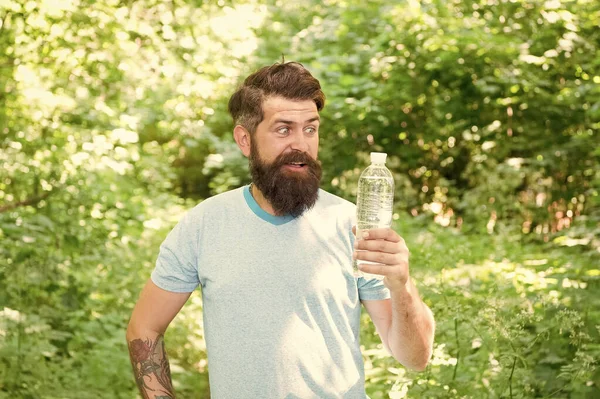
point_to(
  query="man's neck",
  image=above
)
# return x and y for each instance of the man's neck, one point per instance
(261, 200)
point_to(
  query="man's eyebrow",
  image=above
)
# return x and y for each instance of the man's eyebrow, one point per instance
(287, 122)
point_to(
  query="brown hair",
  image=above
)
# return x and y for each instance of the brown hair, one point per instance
(289, 80)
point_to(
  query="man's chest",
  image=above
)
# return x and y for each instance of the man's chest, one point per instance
(275, 270)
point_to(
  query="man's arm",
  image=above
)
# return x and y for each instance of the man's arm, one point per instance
(405, 325)
(404, 322)
(151, 316)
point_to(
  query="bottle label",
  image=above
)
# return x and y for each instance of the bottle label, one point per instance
(375, 210)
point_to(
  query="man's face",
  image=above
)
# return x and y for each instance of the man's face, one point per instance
(283, 156)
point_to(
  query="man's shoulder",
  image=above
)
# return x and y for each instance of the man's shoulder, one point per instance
(219, 202)
(328, 199)
(331, 205)
(231, 196)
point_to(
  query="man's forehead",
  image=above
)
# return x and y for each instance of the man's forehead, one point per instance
(278, 107)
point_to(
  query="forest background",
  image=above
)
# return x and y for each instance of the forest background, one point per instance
(113, 123)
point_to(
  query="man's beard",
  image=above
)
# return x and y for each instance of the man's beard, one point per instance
(288, 192)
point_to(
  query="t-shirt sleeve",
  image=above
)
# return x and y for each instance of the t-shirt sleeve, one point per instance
(372, 289)
(176, 266)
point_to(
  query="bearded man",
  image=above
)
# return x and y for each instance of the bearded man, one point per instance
(281, 304)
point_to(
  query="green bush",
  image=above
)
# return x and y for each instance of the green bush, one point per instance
(113, 122)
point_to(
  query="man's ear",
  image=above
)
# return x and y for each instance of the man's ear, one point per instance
(242, 138)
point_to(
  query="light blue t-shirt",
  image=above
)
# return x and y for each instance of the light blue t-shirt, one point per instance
(281, 306)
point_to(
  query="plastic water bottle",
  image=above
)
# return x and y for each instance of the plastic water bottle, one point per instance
(375, 200)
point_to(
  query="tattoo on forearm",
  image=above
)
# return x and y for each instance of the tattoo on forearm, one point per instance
(151, 368)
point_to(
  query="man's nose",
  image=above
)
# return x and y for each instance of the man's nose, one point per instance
(299, 142)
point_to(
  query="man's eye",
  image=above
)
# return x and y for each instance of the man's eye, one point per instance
(310, 130)
(283, 130)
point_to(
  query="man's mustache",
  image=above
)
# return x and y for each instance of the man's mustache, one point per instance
(296, 157)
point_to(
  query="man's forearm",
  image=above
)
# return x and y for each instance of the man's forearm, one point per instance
(410, 335)
(150, 365)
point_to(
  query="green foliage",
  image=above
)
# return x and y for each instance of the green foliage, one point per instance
(111, 112)
(456, 92)
(513, 320)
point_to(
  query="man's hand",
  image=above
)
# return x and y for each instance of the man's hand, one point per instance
(386, 248)
(405, 323)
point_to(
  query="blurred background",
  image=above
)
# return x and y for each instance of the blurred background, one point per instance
(113, 123)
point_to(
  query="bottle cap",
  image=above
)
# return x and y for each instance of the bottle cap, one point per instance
(378, 157)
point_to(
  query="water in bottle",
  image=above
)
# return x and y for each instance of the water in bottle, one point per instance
(375, 199)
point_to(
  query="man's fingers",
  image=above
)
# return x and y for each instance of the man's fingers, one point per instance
(378, 257)
(389, 272)
(378, 245)
(387, 234)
